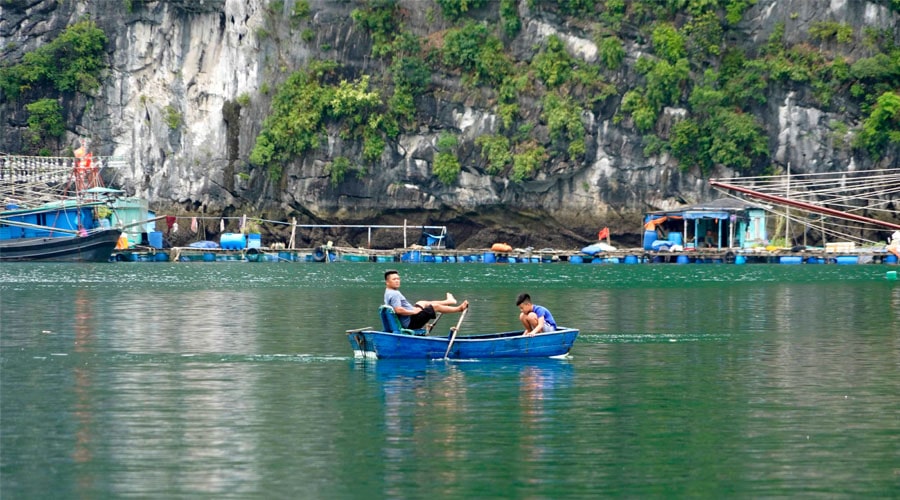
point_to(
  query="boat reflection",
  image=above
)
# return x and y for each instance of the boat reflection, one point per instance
(528, 373)
(432, 408)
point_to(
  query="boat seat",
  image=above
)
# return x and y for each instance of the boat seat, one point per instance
(391, 323)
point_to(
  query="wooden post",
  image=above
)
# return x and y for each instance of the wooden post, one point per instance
(293, 232)
(731, 221)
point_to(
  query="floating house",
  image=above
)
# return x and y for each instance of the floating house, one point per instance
(139, 222)
(722, 223)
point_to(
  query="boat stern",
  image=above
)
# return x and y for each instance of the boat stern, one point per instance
(361, 348)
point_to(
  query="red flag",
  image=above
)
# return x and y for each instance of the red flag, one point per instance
(604, 233)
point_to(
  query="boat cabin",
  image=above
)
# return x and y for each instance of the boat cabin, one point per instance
(55, 219)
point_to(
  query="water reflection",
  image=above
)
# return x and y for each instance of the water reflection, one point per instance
(187, 321)
(83, 406)
(433, 410)
(173, 381)
(208, 412)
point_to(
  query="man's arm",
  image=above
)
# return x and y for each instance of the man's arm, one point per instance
(539, 327)
(402, 311)
(396, 303)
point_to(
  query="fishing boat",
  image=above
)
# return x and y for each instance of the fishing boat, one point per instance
(395, 342)
(94, 246)
(56, 209)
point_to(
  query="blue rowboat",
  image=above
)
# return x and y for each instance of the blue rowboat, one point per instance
(395, 342)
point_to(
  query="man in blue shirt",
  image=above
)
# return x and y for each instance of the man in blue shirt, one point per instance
(535, 318)
(416, 316)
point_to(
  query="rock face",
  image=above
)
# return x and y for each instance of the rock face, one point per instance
(191, 82)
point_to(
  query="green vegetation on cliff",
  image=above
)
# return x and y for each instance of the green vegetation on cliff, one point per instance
(688, 64)
(74, 62)
(677, 73)
(310, 102)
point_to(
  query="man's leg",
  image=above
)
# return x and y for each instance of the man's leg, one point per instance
(445, 308)
(449, 301)
(523, 318)
(529, 321)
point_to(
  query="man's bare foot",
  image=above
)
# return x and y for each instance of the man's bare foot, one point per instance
(450, 298)
(463, 306)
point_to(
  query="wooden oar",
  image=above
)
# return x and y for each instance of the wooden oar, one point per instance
(455, 331)
(430, 326)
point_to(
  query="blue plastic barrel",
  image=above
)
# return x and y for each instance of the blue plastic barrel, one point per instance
(232, 241)
(890, 259)
(675, 237)
(411, 256)
(254, 240)
(682, 259)
(740, 259)
(649, 238)
(155, 238)
(489, 258)
(631, 259)
(790, 259)
(848, 259)
(576, 259)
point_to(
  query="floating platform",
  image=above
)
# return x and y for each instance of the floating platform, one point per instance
(516, 256)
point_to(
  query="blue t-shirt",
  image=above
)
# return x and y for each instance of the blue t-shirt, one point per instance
(395, 299)
(542, 312)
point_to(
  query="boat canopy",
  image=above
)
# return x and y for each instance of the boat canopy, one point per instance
(705, 215)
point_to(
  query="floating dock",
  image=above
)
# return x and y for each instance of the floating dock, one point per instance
(326, 254)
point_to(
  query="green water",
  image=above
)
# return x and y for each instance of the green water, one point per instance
(235, 380)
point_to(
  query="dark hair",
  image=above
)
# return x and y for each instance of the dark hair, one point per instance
(523, 297)
(390, 272)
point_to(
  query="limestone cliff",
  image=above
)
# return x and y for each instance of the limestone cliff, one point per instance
(190, 84)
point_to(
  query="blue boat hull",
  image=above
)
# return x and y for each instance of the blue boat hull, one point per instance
(384, 345)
